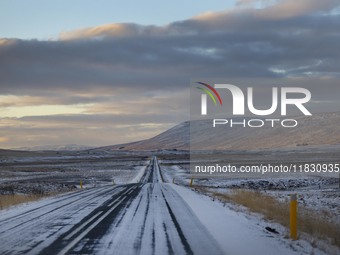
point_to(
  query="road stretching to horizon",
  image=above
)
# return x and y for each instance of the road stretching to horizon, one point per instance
(148, 217)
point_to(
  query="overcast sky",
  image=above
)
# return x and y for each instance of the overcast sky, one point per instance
(78, 73)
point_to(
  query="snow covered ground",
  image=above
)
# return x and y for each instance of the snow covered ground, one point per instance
(44, 174)
(143, 219)
(239, 233)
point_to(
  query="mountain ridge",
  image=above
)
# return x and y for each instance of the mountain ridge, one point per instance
(319, 129)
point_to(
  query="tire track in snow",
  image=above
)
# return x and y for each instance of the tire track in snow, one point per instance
(83, 199)
(179, 229)
(77, 195)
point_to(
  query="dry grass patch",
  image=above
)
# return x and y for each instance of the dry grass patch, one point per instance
(9, 200)
(309, 221)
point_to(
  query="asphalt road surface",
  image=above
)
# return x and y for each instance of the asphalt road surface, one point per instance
(148, 217)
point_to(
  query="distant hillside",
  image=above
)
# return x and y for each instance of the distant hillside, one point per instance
(18, 153)
(319, 129)
(174, 138)
(68, 147)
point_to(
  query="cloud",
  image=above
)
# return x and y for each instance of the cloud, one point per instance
(293, 8)
(110, 120)
(116, 30)
(278, 9)
(129, 56)
(130, 69)
(95, 130)
(3, 139)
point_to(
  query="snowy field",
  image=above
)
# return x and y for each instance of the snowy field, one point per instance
(318, 192)
(46, 173)
(43, 173)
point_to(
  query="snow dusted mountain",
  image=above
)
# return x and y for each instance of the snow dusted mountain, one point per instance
(174, 138)
(319, 129)
(68, 147)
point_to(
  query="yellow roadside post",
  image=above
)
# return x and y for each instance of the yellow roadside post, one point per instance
(81, 184)
(191, 181)
(293, 216)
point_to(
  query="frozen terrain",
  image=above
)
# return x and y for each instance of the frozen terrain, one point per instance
(147, 217)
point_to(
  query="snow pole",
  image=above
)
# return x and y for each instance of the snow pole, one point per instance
(293, 216)
(191, 181)
(81, 184)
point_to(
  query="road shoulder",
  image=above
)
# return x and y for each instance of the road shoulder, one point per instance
(247, 234)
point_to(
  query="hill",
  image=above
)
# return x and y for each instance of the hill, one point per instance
(319, 129)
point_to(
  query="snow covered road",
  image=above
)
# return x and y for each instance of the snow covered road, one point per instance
(149, 217)
(143, 218)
